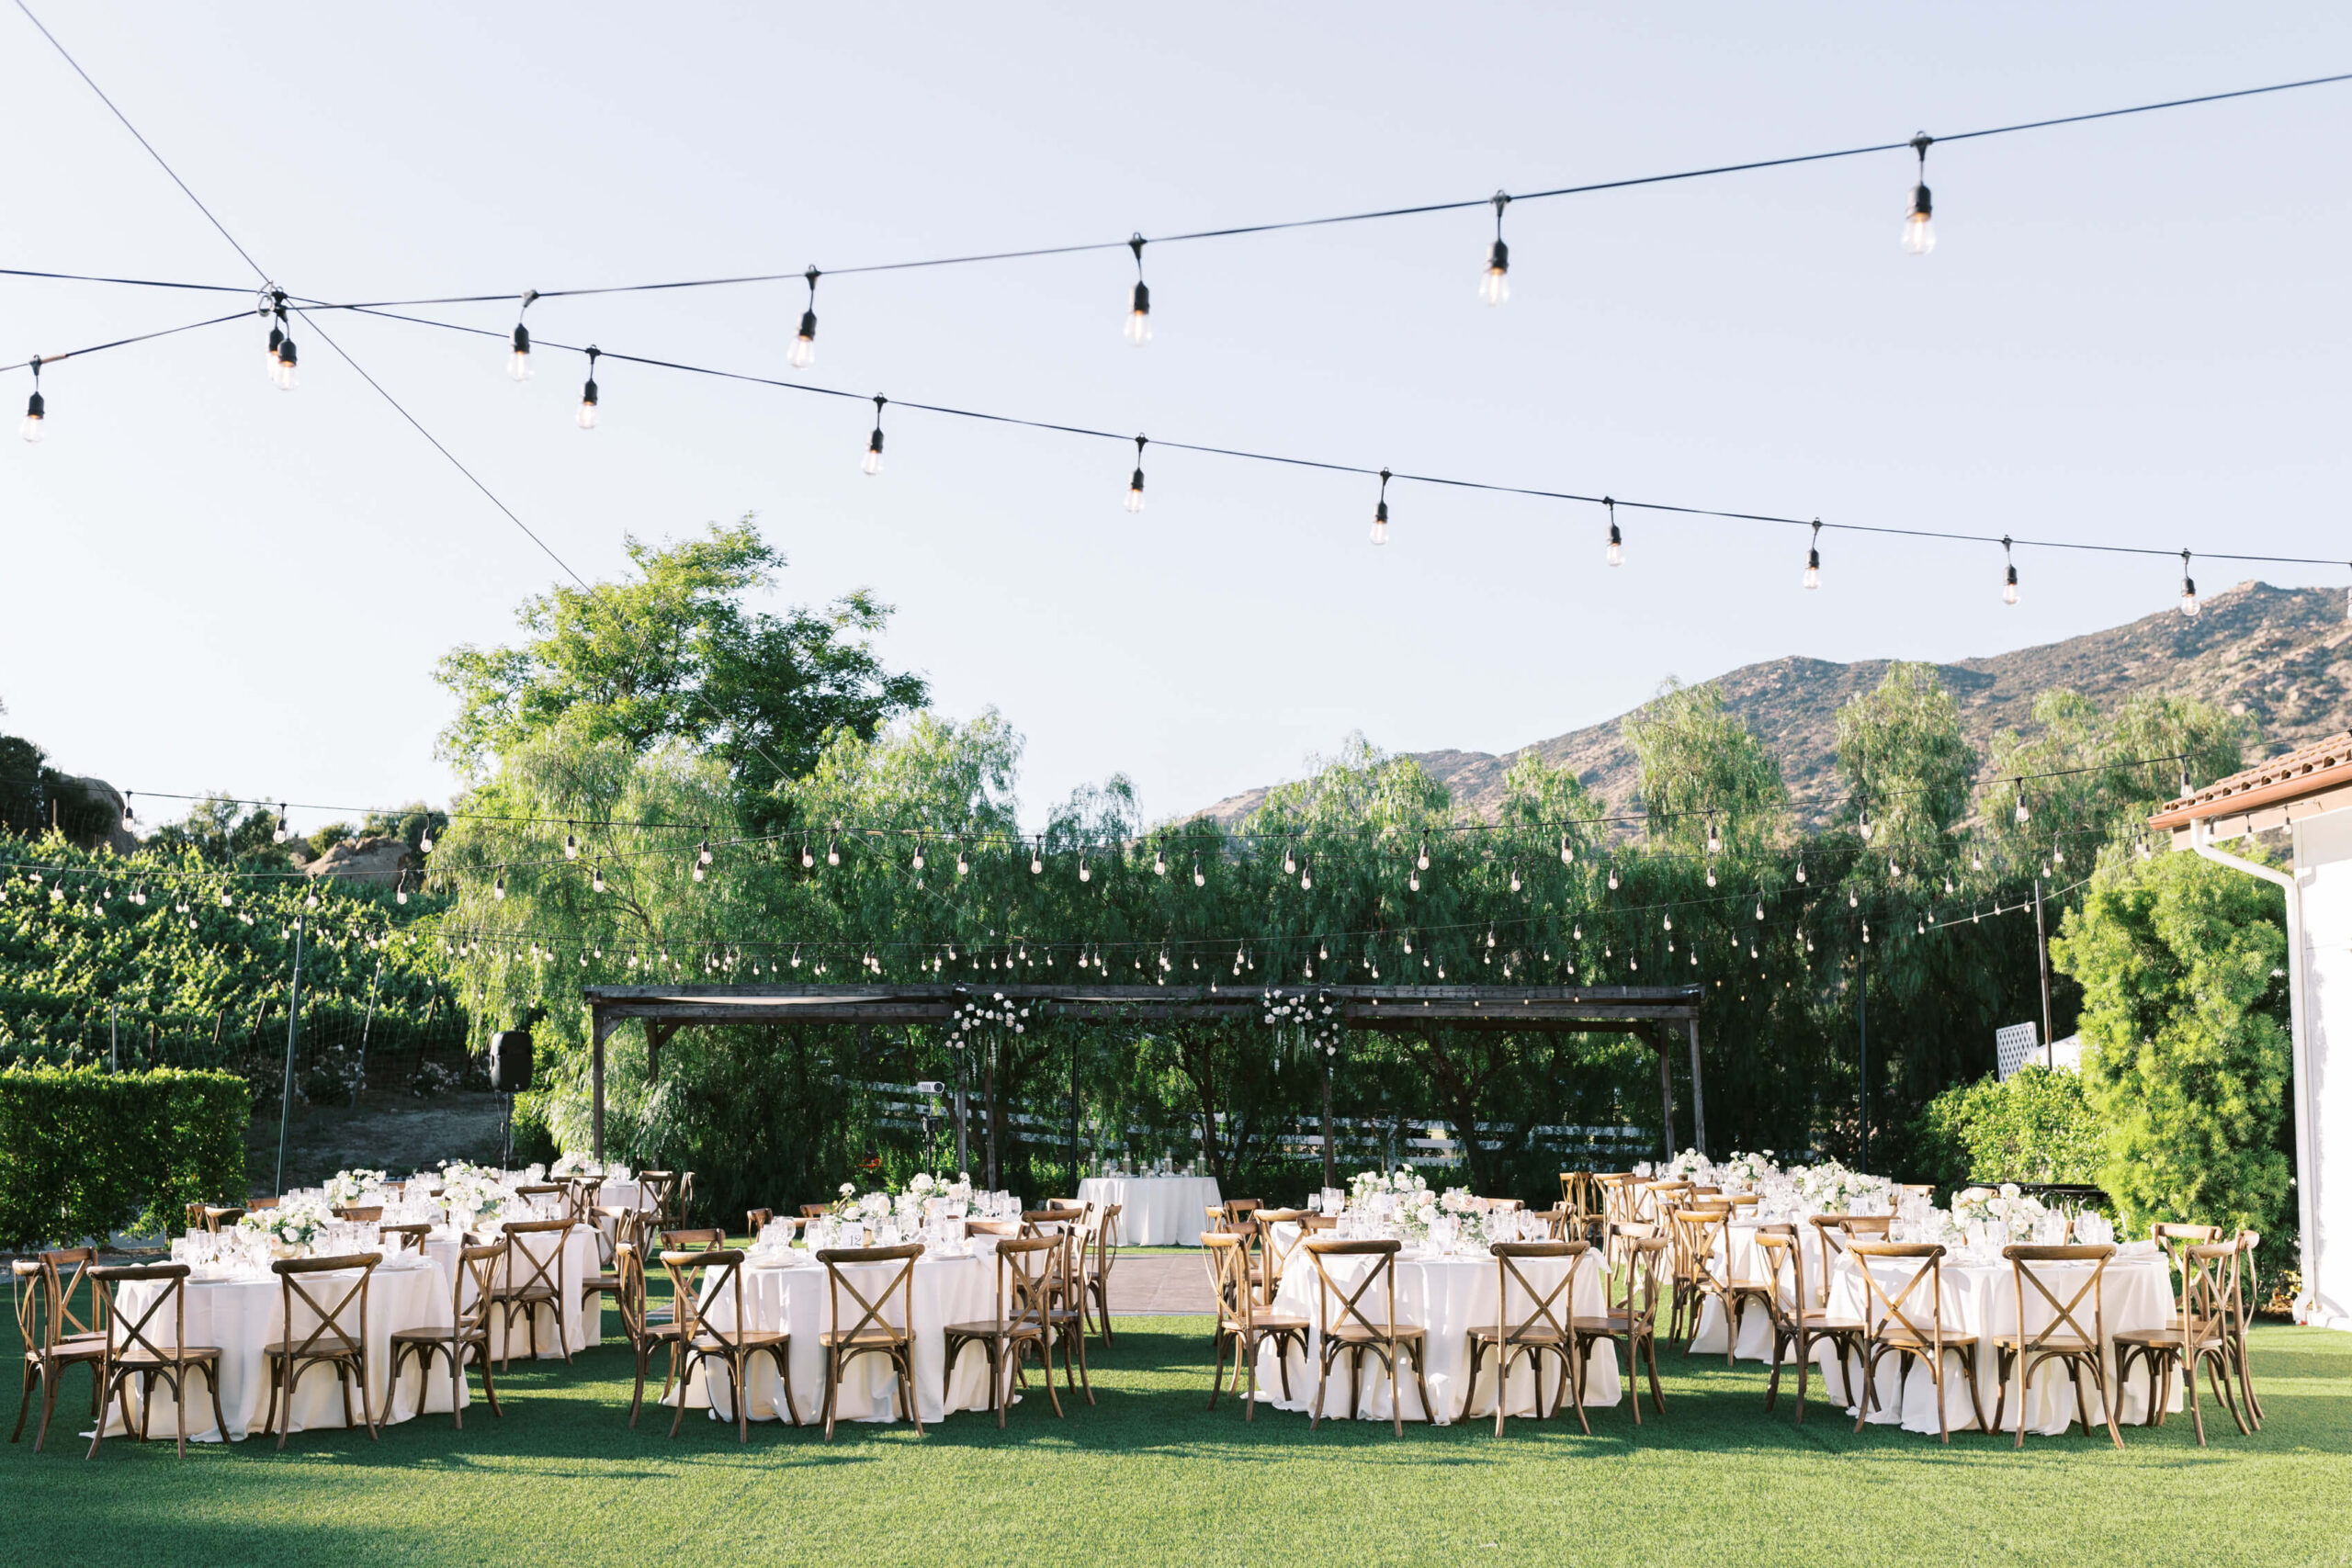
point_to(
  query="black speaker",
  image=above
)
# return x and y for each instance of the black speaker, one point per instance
(510, 1061)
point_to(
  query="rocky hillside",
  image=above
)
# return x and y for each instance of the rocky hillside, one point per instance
(2283, 657)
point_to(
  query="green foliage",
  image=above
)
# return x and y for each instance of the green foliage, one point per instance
(91, 1153)
(672, 656)
(2036, 1126)
(2185, 1052)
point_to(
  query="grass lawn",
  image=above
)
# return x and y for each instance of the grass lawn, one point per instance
(1149, 1476)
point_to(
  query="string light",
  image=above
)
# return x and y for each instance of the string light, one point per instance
(1494, 286)
(804, 346)
(2024, 815)
(35, 409)
(1198, 880)
(1715, 836)
(1135, 484)
(2009, 588)
(596, 876)
(1813, 558)
(1920, 228)
(872, 464)
(833, 851)
(917, 861)
(2188, 605)
(1616, 540)
(572, 845)
(518, 359)
(586, 418)
(278, 834)
(1138, 332)
(1037, 858)
(1380, 513)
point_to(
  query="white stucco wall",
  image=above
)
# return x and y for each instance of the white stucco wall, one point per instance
(2323, 869)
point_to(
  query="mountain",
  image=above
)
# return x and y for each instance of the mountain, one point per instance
(2281, 655)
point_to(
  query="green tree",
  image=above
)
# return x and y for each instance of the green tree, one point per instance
(2186, 1060)
(673, 654)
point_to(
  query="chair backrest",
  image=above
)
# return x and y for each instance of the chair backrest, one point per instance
(1909, 1306)
(1782, 1254)
(1643, 1281)
(2209, 1290)
(404, 1237)
(475, 1282)
(65, 1272)
(755, 1220)
(535, 1254)
(261, 1202)
(628, 1266)
(661, 1189)
(1242, 1208)
(1035, 1220)
(2249, 1292)
(1864, 1227)
(1380, 1273)
(1580, 1195)
(1549, 1307)
(219, 1214)
(872, 1306)
(815, 1211)
(1275, 1252)
(2031, 1266)
(697, 1275)
(1698, 1231)
(547, 1197)
(1829, 1240)
(299, 1279)
(1315, 1225)
(704, 1237)
(1227, 1257)
(1066, 1203)
(1918, 1190)
(1616, 1189)
(127, 1335)
(1024, 1279)
(998, 1228)
(1742, 1200)
(2172, 1235)
(360, 1214)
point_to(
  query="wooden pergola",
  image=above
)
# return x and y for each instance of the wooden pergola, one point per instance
(1656, 1014)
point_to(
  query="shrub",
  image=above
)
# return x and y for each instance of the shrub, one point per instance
(2038, 1127)
(85, 1153)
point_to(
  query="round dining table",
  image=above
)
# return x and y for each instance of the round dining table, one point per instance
(787, 1291)
(1156, 1211)
(1447, 1295)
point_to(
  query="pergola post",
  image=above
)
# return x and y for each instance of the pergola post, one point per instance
(600, 1025)
(1665, 1090)
(1698, 1093)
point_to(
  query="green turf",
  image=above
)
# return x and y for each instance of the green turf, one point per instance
(1149, 1476)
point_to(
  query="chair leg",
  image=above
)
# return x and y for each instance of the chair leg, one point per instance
(179, 1408)
(784, 1372)
(1086, 1374)
(637, 1399)
(1772, 1389)
(32, 1374)
(212, 1384)
(1216, 1373)
(833, 1386)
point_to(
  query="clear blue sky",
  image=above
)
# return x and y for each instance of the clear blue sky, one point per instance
(2129, 331)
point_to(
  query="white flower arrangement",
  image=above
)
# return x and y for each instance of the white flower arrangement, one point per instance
(347, 1186)
(1831, 1187)
(471, 1193)
(1747, 1170)
(1982, 1206)
(296, 1222)
(1457, 1201)
(1315, 1020)
(1687, 1166)
(575, 1165)
(1367, 1184)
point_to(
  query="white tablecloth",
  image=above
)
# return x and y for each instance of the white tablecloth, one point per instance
(580, 1262)
(1448, 1296)
(620, 1195)
(797, 1299)
(241, 1317)
(1156, 1211)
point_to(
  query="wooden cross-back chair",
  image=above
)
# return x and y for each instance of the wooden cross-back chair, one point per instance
(1244, 1323)
(755, 1220)
(1580, 1205)
(472, 1298)
(360, 1214)
(700, 1238)
(1066, 1311)
(700, 1278)
(130, 1352)
(332, 1342)
(1798, 1326)
(1543, 1330)
(407, 1237)
(535, 1279)
(1698, 1232)
(2079, 1347)
(645, 1335)
(1098, 1274)
(557, 1196)
(1630, 1319)
(56, 1333)
(1357, 1334)
(2199, 1335)
(1023, 1323)
(1276, 1251)
(2247, 1291)
(873, 1333)
(815, 1211)
(1892, 1324)
(666, 1193)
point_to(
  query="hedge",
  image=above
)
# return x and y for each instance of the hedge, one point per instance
(85, 1153)
(2038, 1127)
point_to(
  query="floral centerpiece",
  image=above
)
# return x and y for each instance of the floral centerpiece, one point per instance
(1311, 1023)
(1747, 1170)
(2008, 1206)
(1687, 1166)
(346, 1187)
(575, 1165)
(1830, 1188)
(294, 1222)
(1404, 1185)
(472, 1192)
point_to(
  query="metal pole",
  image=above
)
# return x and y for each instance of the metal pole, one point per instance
(1331, 1159)
(597, 1031)
(963, 1129)
(1862, 1023)
(365, 1024)
(1666, 1092)
(1074, 1177)
(293, 1029)
(114, 1041)
(2041, 963)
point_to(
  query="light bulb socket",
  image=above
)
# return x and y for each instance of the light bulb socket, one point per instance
(1142, 306)
(807, 326)
(874, 445)
(588, 392)
(1499, 259)
(1135, 484)
(1922, 205)
(522, 338)
(36, 407)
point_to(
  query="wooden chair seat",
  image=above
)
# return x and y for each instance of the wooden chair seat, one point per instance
(1355, 1334)
(322, 1346)
(1911, 1340)
(172, 1356)
(1272, 1321)
(2059, 1344)
(523, 1293)
(874, 1337)
(985, 1329)
(1490, 1334)
(706, 1338)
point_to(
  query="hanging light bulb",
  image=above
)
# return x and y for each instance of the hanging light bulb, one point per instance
(35, 409)
(1306, 876)
(1494, 285)
(272, 305)
(2188, 605)
(1159, 863)
(1866, 822)
(1616, 540)
(1135, 484)
(2023, 815)
(1037, 858)
(1799, 868)
(127, 812)
(1085, 872)
(1612, 879)
(702, 852)
(1918, 228)
(1380, 513)
(918, 856)
(1198, 880)
(518, 359)
(1893, 869)
(278, 835)
(1138, 330)
(1711, 873)
(282, 374)
(586, 417)
(2009, 587)
(1290, 861)
(806, 859)
(1514, 878)
(570, 844)
(1852, 900)
(1813, 558)
(699, 871)
(424, 839)
(872, 464)
(832, 852)
(963, 866)
(498, 888)
(1976, 859)
(804, 346)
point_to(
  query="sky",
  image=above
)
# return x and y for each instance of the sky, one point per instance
(2129, 332)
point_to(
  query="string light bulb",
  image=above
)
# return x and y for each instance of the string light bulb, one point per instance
(1138, 330)
(498, 888)
(1037, 858)
(282, 372)
(872, 464)
(1813, 558)
(804, 345)
(2188, 605)
(586, 416)
(1616, 540)
(1198, 880)
(2023, 815)
(1380, 513)
(518, 358)
(278, 833)
(1714, 837)
(832, 852)
(702, 852)
(570, 844)
(1918, 227)
(272, 307)
(35, 409)
(1494, 285)
(2010, 584)
(1135, 483)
